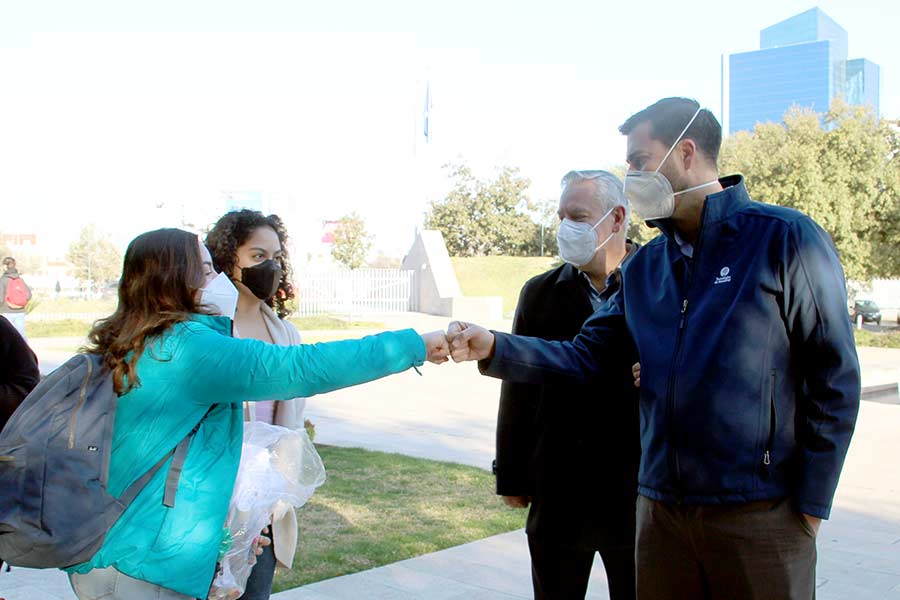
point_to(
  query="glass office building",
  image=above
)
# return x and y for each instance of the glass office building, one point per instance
(801, 61)
(862, 83)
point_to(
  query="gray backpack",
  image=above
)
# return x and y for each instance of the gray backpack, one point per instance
(54, 463)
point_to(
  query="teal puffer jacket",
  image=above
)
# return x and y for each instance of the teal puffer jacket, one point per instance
(191, 367)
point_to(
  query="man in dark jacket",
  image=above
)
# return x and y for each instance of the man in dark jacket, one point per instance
(554, 442)
(18, 370)
(750, 381)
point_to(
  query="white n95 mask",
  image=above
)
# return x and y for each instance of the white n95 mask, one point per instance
(221, 296)
(650, 192)
(578, 241)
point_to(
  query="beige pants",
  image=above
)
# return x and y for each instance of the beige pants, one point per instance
(109, 584)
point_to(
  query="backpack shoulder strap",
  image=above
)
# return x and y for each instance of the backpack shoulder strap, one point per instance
(178, 455)
(174, 476)
(135, 488)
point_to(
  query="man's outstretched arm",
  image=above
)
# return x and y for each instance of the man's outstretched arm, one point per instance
(596, 353)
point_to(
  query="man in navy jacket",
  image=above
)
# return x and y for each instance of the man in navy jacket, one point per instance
(749, 376)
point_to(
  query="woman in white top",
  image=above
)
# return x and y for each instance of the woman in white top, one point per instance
(251, 249)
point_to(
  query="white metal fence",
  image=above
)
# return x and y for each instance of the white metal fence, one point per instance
(331, 291)
(357, 291)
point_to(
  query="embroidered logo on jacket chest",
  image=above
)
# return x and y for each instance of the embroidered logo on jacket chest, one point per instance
(724, 276)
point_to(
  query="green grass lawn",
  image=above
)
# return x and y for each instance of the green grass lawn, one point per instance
(377, 508)
(319, 322)
(45, 304)
(877, 339)
(499, 276)
(61, 328)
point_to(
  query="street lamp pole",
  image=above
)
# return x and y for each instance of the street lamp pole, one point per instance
(542, 238)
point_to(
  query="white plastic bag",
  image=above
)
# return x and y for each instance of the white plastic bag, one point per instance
(280, 469)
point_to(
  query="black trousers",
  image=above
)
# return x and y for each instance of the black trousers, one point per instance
(752, 551)
(561, 572)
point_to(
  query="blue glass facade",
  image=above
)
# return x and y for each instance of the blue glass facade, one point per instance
(810, 26)
(802, 61)
(766, 83)
(863, 82)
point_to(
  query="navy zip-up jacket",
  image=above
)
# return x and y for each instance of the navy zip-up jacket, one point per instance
(750, 382)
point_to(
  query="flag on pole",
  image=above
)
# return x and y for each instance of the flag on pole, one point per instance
(426, 120)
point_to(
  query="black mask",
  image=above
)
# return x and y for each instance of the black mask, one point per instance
(262, 279)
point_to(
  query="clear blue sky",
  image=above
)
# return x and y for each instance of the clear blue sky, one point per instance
(121, 112)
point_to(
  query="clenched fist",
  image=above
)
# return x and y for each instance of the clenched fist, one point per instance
(437, 349)
(469, 341)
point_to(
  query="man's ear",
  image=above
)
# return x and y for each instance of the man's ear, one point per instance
(618, 218)
(688, 151)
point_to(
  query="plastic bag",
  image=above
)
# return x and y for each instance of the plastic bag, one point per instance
(279, 471)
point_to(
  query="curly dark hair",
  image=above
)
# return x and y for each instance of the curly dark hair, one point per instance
(232, 230)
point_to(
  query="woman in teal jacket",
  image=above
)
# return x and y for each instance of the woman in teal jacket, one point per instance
(175, 367)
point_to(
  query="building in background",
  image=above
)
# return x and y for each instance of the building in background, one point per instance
(18, 242)
(239, 200)
(802, 61)
(863, 83)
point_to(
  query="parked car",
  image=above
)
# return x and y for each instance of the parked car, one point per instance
(868, 310)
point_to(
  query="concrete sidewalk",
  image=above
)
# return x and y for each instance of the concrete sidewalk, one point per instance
(495, 568)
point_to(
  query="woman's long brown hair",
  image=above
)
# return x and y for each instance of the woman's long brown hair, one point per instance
(161, 272)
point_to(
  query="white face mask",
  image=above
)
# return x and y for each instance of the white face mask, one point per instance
(650, 192)
(578, 241)
(221, 296)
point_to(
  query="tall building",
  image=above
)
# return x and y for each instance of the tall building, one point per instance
(801, 61)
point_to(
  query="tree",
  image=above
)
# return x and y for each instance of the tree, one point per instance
(546, 224)
(351, 241)
(95, 259)
(481, 217)
(841, 168)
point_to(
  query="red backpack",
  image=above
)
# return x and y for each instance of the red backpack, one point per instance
(16, 293)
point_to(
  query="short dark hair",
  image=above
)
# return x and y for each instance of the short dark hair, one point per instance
(9, 261)
(668, 117)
